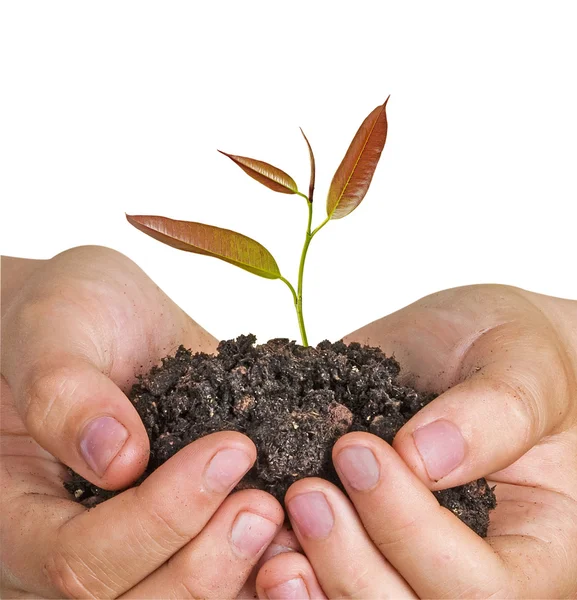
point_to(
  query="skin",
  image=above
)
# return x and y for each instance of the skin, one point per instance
(505, 363)
(76, 328)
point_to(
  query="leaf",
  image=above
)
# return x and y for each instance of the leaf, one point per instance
(353, 177)
(230, 246)
(313, 168)
(273, 178)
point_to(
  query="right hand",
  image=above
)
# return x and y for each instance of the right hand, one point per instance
(504, 362)
(72, 339)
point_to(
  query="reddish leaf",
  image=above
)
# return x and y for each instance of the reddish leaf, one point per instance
(313, 168)
(353, 177)
(273, 178)
(232, 247)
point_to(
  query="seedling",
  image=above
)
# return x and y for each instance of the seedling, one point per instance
(293, 406)
(349, 185)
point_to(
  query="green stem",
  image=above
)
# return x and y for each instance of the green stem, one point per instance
(290, 287)
(298, 294)
(299, 314)
(299, 304)
(320, 227)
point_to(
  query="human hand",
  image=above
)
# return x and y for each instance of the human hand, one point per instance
(506, 360)
(72, 339)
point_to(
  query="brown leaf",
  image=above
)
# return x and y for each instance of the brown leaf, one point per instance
(230, 246)
(273, 178)
(353, 177)
(313, 168)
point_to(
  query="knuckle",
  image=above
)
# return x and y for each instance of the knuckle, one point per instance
(193, 575)
(398, 537)
(159, 534)
(42, 395)
(154, 518)
(187, 589)
(359, 585)
(530, 412)
(68, 575)
(209, 585)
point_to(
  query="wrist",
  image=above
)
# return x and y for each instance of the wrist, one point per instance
(15, 272)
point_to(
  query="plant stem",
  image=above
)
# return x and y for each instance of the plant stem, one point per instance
(320, 227)
(299, 304)
(299, 314)
(291, 288)
(298, 294)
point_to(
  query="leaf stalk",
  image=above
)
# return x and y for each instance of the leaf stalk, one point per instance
(290, 287)
(320, 226)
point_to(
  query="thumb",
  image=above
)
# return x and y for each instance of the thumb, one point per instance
(80, 416)
(508, 375)
(514, 393)
(51, 359)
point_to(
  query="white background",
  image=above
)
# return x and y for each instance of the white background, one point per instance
(117, 106)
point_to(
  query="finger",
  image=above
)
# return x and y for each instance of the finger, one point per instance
(81, 328)
(219, 560)
(107, 550)
(490, 343)
(284, 541)
(346, 562)
(80, 416)
(506, 404)
(57, 347)
(436, 553)
(286, 576)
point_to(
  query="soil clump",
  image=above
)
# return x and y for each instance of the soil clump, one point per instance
(293, 402)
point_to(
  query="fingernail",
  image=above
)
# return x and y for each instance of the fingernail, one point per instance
(359, 467)
(441, 447)
(250, 533)
(312, 513)
(226, 468)
(101, 441)
(293, 589)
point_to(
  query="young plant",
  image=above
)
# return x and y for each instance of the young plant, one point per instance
(349, 185)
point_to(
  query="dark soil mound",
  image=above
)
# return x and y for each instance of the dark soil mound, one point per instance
(293, 402)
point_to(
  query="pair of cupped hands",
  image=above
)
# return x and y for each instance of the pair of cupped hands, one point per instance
(75, 330)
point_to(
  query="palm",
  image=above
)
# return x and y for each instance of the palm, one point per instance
(536, 514)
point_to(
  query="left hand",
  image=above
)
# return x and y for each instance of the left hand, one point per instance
(506, 361)
(75, 330)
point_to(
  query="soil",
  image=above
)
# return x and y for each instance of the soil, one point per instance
(293, 402)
